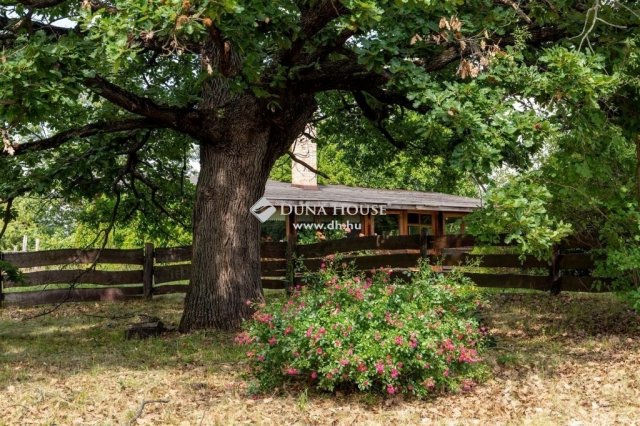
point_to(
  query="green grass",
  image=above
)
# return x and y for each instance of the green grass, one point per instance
(89, 337)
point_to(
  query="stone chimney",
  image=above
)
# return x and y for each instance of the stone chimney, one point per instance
(305, 150)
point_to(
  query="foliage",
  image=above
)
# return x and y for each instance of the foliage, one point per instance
(310, 236)
(12, 273)
(346, 331)
(518, 212)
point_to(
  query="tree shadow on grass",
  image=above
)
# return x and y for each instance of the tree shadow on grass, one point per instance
(539, 332)
(87, 336)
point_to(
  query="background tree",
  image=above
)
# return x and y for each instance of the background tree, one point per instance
(109, 97)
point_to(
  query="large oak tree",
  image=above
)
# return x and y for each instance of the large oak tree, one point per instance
(107, 97)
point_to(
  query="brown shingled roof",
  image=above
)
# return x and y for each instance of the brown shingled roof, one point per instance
(326, 195)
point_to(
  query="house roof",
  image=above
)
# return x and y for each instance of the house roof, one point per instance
(279, 193)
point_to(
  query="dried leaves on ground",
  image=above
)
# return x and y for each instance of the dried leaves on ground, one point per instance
(571, 359)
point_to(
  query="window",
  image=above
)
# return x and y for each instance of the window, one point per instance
(387, 225)
(419, 221)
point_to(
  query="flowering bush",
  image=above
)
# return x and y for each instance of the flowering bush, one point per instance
(349, 331)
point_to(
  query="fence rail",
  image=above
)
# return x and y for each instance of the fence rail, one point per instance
(153, 271)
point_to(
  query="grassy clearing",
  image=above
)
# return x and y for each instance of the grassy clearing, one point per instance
(571, 359)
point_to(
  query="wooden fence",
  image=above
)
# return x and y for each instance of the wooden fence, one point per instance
(154, 271)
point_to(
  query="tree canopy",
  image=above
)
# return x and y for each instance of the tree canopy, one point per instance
(110, 99)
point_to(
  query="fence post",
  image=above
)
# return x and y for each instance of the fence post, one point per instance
(147, 271)
(424, 244)
(291, 259)
(554, 272)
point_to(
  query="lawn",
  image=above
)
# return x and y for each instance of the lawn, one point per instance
(571, 359)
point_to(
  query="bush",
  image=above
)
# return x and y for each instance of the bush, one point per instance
(346, 331)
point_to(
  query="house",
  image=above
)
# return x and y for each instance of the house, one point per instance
(303, 206)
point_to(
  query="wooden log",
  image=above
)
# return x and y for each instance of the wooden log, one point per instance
(171, 273)
(74, 295)
(451, 241)
(74, 256)
(273, 265)
(173, 254)
(273, 250)
(577, 261)
(147, 271)
(375, 242)
(491, 260)
(275, 273)
(401, 260)
(170, 289)
(274, 283)
(78, 276)
(268, 250)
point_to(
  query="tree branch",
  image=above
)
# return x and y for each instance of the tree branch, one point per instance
(339, 75)
(80, 132)
(7, 217)
(299, 161)
(376, 119)
(131, 102)
(185, 120)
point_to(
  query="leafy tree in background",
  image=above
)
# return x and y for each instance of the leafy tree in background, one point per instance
(109, 97)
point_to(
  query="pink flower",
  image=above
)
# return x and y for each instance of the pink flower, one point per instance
(243, 338)
(309, 332)
(367, 283)
(429, 383)
(314, 375)
(323, 266)
(391, 390)
(260, 358)
(291, 371)
(413, 344)
(362, 368)
(448, 345)
(273, 340)
(319, 351)
(468, 355)
(395, 373)
(379, 367)
(344, 362)
(399, 340)
(262, 317)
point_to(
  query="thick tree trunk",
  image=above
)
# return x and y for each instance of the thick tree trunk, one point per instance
(234, 169)
(226, 239)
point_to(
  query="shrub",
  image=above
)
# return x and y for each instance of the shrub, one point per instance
(347, 331)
